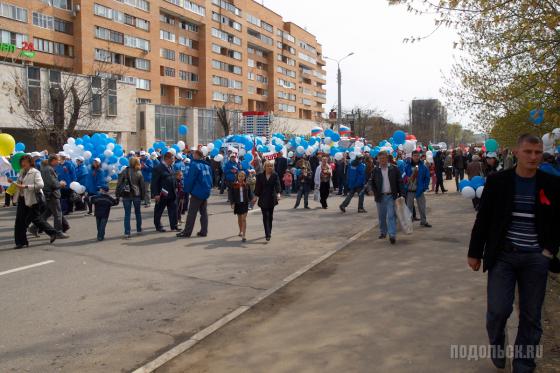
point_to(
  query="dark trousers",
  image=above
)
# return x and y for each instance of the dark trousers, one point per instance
(66, 200)
(7, 199)
(530, 272)
(349, 197)
(26, 215)
(342, 187)
(459, 175)
(439, 179)
(197, 205)
(305, 193)
(101, 224)
(268, 215)
(87, 200)
(324, 189)
(171, 205)
(128, 203)
(53, 208)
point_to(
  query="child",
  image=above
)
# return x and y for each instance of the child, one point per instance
(240, 195)
(287, 179)
(103, 203)
(180, 195)
(305, 185)
(251, 182)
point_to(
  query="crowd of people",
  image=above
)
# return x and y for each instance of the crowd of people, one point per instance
(181, 183)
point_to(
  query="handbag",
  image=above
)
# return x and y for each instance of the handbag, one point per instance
(40, 197)
(123, 189)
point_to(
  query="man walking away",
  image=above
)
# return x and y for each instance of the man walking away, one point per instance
(52, 195)
(199, 186)
(355, 182)
(516, 234)
(386, 183)
(439, 163)
(417, 182)
(459, 165)
(163, 191)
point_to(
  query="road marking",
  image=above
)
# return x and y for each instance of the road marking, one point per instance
(201, 335)
(26, 267)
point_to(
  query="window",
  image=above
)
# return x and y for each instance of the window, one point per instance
(286, 60)
(257, 22)
(13, 12)
(186, 75)
(96, 105)
(143, 101)
(190, 6)
(262, 79)
(226, 36)
(186, 42)
(226, 67)
(185, 25)
(9, 37)
(143, 84)
(140, 4)
(111, 97)
(306, 101)
(226, 21)
(61, 4)
(142, 64)
(265, 39)
(287, 108)
(251, 76)
(102, 55)
(142, 23)
(250, 62)
(43, 21)
(120, 17)
(227, 6)
(102, 11)
(286, 96)
(284, 71)
(167, 71)
(166, 18)
(63, 26)
(224, 97)
(134, 42)
(307, 58)
(225, 82)
(286, 84)
(251, 89)
(189, 60)
(262, 91)
(168, 54)
(55, 77)
(47, 46)
(34, 88)
(166, 35)
(106, 34)
(226, 52)
(307, 47)
(185, 93)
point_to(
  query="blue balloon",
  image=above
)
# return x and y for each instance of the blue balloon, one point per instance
(334, 150)
(113, 159)
(399, 137)
(164, 150)
(477, 181)
(20, 147)
(335, 137)
(79, 141)
(278, 148)
(123, 161)
(118, 151)
(176, 147)
(150, 150)
(86, 138)
(464, 183)
(536, 116)
(246, 164)
(214, 152)
(248, 157)
(374, 152)
(218, 144)
(100, 148)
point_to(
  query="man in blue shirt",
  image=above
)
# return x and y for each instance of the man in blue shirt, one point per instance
(199, 186)
(355, 181)
(416, 182)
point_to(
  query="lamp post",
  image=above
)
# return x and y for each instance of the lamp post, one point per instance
(339, 81)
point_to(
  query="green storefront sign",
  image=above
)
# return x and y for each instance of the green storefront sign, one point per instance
(27, 49)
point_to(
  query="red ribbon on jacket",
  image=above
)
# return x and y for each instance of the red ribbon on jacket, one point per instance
(543, 198)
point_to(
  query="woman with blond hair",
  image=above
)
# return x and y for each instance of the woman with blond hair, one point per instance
(132, 190)
(239, 195)
(268, 191)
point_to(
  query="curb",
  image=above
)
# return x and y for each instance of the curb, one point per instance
(201, 335)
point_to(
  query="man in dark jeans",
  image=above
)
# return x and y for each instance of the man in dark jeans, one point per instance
(516, 234)
(459, 165)
(164, 191)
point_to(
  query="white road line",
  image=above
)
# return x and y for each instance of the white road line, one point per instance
(201, 335)
(26, 267)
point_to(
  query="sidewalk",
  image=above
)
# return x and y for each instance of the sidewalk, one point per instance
(372, 307)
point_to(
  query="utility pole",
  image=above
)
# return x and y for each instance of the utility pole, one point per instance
(339, 81)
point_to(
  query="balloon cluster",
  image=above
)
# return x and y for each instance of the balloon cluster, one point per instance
(472, 188)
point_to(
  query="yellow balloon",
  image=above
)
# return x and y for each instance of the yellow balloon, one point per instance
(7, 144)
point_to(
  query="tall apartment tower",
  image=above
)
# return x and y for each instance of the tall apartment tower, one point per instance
(428, 120)
(199, 53)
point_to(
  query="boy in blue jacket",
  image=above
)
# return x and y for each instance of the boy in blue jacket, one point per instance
(416, 182)
(356, 180)
(103, 203)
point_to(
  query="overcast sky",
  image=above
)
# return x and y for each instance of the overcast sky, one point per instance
(384, 73)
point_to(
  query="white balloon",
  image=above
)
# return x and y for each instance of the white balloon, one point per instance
(66, 147)
(204, 150)
(290, 154)
(107, 153)
(556, 133)
(300, 149)
(242, 152)
(104, 166)
(338, 156)
(327, 148)
(352, 155)
(219, 158)
(548, 140)
(309, 151)
(172, 151)
(358, 144)
(409, 146)
(71, 141)
(110, 146)
(81, 147)
(182, 145)
(479, 191)
(210, 146)
(108, 179)
(75, 186)
(87, 154)
(328, 140)
(468, 192)
(82, 190)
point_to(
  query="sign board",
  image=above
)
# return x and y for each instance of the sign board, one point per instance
(270, 156)
(27, 49)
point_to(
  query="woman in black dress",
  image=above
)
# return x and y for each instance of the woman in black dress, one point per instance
(240, 194)
(268, 191)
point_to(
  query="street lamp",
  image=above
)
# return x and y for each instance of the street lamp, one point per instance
(339, 80)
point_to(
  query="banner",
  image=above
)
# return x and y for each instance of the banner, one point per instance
(270, 156)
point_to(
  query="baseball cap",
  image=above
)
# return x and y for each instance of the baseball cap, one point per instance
(35, 154)
(81, 159)
(97, 160)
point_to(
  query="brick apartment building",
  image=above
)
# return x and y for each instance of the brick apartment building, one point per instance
(177, 53)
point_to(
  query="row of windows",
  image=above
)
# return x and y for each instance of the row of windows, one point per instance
(257, 77)
(227, 6)
(52, 47)
(121, 59)
(10, 37)
(140, 4)
(120, 38)
(307, 58)
(284, 71)
(185, 25)
(225, 82)
(13, 12)
(286, 84)
(225, 36)
(287, 108)
(226, 21)
(52, 23)
(139, 83)
(190, 6)
(285, 35)
(225, 97)
(307, 47)
(306, 101)
(120, 17)
(286, 60)
(61, 4)
(265, 39)
(286, 96)
(219, 65)
(193, 44)
(257, 22)
(257, 51)
(226, 52)
(187, 75)
(169, 54)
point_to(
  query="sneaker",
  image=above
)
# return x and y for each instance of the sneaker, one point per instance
(393, 240)
(342, 208)
(382, 236)
(362, 211)
(182, 235)
(99, 239)
(427, 225)
(62, 236)
(53, 238)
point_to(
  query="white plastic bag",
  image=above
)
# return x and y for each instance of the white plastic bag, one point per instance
(316, 195)
(404, 216)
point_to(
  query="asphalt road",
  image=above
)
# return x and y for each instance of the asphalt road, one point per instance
(112, 306)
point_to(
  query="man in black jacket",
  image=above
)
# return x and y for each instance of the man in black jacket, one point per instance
(280, 166)
(52, 195)
(516, 234)
(386, 183)
(163, 190)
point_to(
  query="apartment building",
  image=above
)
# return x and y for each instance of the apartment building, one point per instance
(183, 53)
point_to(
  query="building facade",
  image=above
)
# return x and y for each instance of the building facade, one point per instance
(182, 53)
(428, 120)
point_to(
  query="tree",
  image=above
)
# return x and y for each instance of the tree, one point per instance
(224, 118)
(509, 55)
(69, 103)
(454, 134)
